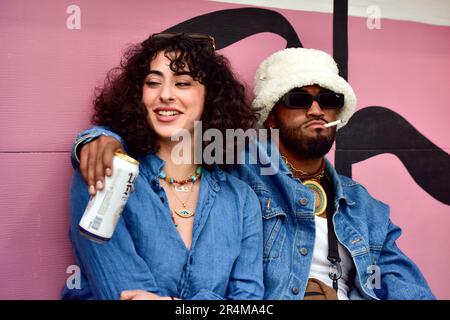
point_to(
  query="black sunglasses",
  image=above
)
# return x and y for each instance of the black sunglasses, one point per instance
(304, 100)
(195, 36)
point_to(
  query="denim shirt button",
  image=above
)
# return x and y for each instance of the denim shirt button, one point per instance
(295, 290)
(303, 251)
(303, 201)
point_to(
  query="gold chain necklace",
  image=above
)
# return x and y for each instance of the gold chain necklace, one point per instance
(183, 212)
(312, 182)
(292, 168)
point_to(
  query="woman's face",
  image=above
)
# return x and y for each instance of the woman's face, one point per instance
(173, 99)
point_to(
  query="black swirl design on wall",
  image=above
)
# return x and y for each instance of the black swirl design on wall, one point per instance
(230, 26)
(371, 130)
(377, 130)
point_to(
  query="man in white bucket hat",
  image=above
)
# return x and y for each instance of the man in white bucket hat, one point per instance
(297, 67)
(300, 93)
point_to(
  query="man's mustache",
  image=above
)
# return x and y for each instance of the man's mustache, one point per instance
(304, 124)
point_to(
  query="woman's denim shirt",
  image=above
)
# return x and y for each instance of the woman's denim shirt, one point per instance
(146, 251)
(362, 225)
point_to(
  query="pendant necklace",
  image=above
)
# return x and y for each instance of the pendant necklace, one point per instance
(312, 182)
(180, 186)
(184, 212)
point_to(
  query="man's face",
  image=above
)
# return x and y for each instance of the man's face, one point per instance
(302, 130)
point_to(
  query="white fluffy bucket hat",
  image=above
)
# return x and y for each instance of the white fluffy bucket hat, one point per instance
(297, 67)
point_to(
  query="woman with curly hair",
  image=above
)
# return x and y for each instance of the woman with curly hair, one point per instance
(188, 231)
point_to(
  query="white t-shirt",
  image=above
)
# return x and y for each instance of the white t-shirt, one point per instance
(320, 263)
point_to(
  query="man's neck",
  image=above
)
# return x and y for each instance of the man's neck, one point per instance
(301, 162)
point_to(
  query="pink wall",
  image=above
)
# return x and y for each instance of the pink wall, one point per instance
(46, 82)
(405, 67)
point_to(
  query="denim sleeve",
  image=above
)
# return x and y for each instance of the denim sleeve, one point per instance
(400, 278)
(246, 279)
(112, 267)
(87, 136)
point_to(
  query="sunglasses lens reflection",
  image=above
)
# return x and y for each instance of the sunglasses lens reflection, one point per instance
(331, 100)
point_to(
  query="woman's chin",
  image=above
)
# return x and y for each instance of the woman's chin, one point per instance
(175, 132)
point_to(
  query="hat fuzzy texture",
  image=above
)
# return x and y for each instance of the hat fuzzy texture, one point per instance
(297, 67)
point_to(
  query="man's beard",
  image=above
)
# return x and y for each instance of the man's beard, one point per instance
(309, 147)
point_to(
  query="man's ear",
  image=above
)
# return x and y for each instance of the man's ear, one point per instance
(270, 121)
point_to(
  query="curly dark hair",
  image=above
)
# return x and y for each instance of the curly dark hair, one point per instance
(118, 104)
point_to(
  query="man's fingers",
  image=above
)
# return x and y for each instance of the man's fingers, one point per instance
(91, 164)
(96, 161)
(108, 155)
(110, 146)
(84, 155)
(99, 169)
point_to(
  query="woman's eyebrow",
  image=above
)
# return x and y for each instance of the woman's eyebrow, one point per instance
(178, 73)
(158, 73)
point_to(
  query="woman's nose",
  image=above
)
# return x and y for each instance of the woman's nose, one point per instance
(167, 94)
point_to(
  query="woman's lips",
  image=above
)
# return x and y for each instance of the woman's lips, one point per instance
(166, 114)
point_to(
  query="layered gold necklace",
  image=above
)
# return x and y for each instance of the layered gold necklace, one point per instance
(182, 186)
(312, 182)
(184, 212)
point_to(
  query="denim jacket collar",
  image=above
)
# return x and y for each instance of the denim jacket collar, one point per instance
(339, 191)
(151, 165)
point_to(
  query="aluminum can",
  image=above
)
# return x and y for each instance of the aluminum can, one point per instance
(104, 210)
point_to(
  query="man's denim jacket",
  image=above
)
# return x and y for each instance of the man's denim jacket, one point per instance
(362, 225)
